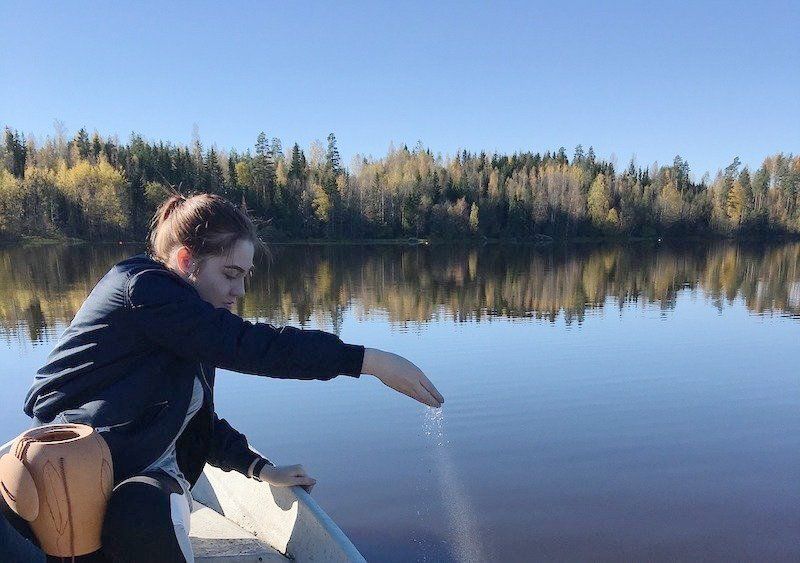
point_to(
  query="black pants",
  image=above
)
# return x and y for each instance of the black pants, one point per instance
(14, 546)
(146, 520)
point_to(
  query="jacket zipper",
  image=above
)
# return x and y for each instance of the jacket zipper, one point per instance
(121, 424)
(205, 380)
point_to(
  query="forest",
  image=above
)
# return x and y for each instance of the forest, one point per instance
(96, 188)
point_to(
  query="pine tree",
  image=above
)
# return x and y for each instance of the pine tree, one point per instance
(263, 172)
(82, 142)
(277, 150)
(632, 168)
(681, 168)
(297, 165)
(214, 176)
(232, 180)
(198, 175)
(332, 156)
(732, 170)
(97, 146)
(16, 153)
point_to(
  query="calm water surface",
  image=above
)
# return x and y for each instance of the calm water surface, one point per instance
(602, 402)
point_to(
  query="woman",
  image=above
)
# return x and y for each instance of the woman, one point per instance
(137, 363)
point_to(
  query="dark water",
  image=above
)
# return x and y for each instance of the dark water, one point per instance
(625, 402)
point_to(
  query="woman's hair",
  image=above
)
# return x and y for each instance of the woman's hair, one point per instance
(207, 224)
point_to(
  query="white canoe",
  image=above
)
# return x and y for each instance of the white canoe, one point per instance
(236, 519)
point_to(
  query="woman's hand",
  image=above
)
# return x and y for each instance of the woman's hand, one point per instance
(401, 375)
(287, 476)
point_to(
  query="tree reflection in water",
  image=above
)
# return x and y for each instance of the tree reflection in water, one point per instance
(43, 287)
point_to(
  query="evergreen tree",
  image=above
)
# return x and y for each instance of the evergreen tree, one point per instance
(332, 157)
(97, 146)
(632, 168)
(263, 172)
(215, 178)
(681, 168)
(297, 167)
(277, 150)
(15, 153)
(732, 170)
(232, 180)
(82, 142)
(590, 158)
(199, 169)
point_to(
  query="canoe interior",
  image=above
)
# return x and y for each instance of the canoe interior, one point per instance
(236, 519)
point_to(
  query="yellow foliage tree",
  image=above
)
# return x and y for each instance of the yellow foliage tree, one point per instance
(281, 174)
(612, 219)
(155, 193)
(734, 206)
(473, 217)
(11, 203)
(321, 202)
(244, 174)
(98, 191)
(494, 184)
(670, 203)
(598, 200)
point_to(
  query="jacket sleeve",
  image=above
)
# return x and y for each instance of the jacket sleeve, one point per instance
(170, 313)
(229, 448)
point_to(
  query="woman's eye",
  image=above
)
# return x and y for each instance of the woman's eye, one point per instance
(230, 277)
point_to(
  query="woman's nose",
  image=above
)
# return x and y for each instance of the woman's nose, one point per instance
(238, 289)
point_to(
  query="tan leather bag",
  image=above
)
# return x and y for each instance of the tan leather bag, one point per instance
(59, 478)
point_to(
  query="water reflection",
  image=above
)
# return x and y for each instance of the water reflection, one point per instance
(43, 287)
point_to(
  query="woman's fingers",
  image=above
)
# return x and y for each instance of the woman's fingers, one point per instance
(306, 482)
(418, 392)
(290, 475)
(424, 396)
(432, 396)
(431, 388)
(430, 391)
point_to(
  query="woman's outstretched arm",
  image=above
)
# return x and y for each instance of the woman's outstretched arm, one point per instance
(169, 312)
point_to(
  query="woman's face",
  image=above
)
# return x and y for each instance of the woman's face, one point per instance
(220, 278)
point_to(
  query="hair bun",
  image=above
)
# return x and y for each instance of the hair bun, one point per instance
(172, 203)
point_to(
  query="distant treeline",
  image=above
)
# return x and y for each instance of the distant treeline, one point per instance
(97, 188)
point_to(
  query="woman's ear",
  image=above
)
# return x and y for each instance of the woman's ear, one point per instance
(18, 488)
(185, 261)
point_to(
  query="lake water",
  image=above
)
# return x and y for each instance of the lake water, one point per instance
(633, 402)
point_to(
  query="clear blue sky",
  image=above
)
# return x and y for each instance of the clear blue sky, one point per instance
(706, 80)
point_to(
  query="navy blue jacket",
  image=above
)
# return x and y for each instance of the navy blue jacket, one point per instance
(126, 366)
